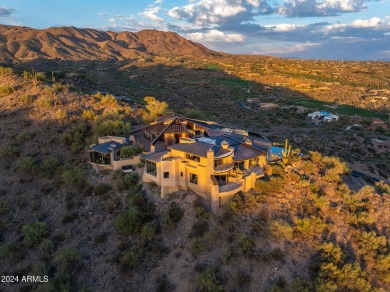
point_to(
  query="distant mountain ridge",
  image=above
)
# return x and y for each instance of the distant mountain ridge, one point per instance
(17, 43)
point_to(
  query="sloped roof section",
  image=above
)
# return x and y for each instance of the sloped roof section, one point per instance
(154, 156)
(199, 149)
(106, 148)
(244, 152)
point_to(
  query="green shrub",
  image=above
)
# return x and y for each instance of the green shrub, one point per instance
(197, 245)
(28, 165)
(272, 255)
(67, 259)
(131, 221)
(300, 285)
(88, 115)
(10, 151)
(108, 100)
(273, 185)
(6, 89)
(4, 71)
(246, 243)
(50, 166)
(149, 231)
(200, 211)
(175, 213)
(370, 243)
(236, 203)
(26, 99)
(47, 246)
(75, 137)
(35, 233)
(126, 181)
(11, 252)
(199, 228)
(4, 207)
(45, 102)
(349, 277)
(102, 189)
(58, 86)
(311, 226)
(74, 179)
(383, 268)
(130, 259)
(209, 281)
(61, 115)
(331, 253)
(281, 229)
(131, 151)
(230, 254)
(23, 137)
(110, 127)
(360, 219)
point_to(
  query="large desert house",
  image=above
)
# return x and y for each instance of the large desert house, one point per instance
(213, 161)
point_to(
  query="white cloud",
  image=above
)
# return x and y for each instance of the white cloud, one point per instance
(209, 12)
(284, 27)
(254, 3)
(6, 11)
(215, 36)
(310, 8)
(373, 22)
(285, 49)
(151, 13)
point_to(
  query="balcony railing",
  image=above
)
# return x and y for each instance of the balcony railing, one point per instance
(229, 187)
(223, 167)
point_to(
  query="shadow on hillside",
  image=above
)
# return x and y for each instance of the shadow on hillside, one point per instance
(199, 88)
(187, 85)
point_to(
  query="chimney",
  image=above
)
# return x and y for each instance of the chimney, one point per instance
(248, 141)
(225, 145)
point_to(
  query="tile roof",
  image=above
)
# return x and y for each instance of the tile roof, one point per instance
(107, 147)
(199, 149)
(244, 152)
(154, 156)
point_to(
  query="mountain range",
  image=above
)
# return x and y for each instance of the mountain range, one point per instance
(23, 43)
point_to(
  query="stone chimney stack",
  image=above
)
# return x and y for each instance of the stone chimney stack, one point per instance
(225, 145)
(248, 141)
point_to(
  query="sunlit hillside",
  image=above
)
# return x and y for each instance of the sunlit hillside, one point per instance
(300, 229)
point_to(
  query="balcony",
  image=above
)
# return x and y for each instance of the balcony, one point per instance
(229, 189)
(223, 167)
(258, 170)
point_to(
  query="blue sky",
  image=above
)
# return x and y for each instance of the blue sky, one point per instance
(315, 29)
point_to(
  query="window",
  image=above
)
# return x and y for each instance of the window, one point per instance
(239, 165)
(166, 174)
(218, 162)
(198, 133)
(194, 178)
(181, 173)
(151, 168)
(100, 158)
(193, 157)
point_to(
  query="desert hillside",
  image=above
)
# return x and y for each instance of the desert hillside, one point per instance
(23, 43)
(301, 229)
